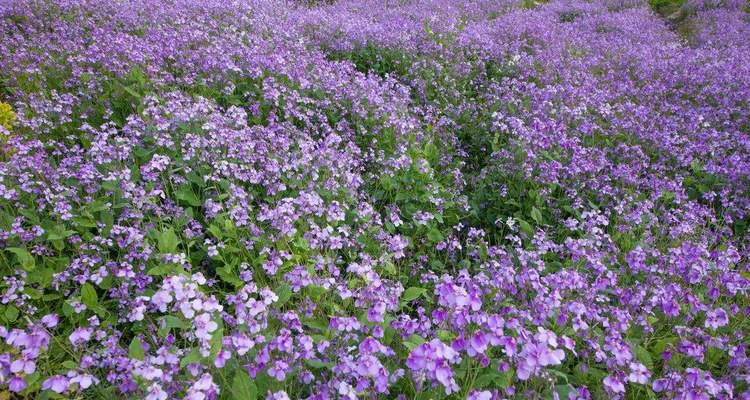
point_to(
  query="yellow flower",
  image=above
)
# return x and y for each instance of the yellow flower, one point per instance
(7, 116)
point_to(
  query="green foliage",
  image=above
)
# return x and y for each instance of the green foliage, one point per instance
(377, 60)
(665, 7)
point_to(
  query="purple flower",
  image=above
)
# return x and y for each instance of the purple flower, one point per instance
(25, 366)
(477, 343)
(204, 325)
(50, 320)
(280, 395)
(638, 373)
(477, 395)
(717, 318)
(375, 314)
(434, 359)
(56, 383)
(278, 371)
(613, 384)
(537, 355)
(16, 384)
(161, 300)
(155, 392)
(80, 336)
(397, 244)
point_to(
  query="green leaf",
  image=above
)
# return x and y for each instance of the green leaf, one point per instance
(285, 293)
(216, 341)
(318, 323)
(84, 221)
(192, 358)
(173, 322)
(536, 215)
(696, 166)
(186, 195)
(135, 350)
(11, 313)
(642, 355)
(412, 293)
(243, 387)
(131, 91)
(563, 390)
(168, 241)
(228, 275)
(100, 204)
(58, 232)
(89, 296)
(413, 341)
(216, 231)
(316, 292)
(317, 364)
(495, 379)
(161, 270)
(662, 345)
(170, 322)
(389, 267)
(24, 258)
(434, 235)
(525, 227)
(506, 379)
(668, 197)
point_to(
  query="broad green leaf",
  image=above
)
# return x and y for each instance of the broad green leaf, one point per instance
(161, 270)
(131, 91)
(536, 215)
(216, 341)
(316, 292)
(135, 350)
(525, 227)
(193, 357)
(506, 379)
(662, 345)
(89, 296)
(284, 292)
(11, 313)
(319, 323)
(435, 235)
(485, 379)
(173, 322)
(412, 293)
(317, 364)
(413, 341)
(186, 195)
(563, 390)
(59, 233)
(168, 241)
(243, 387)
(643, 356)
(24, 258)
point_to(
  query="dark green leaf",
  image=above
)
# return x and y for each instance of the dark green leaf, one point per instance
(435, 235)
(24, 258)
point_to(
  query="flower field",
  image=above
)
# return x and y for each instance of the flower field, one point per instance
(365, 199)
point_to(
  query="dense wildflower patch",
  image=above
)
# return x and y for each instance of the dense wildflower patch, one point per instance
(429, 199)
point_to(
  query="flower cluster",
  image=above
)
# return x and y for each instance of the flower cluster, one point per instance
(483, 199)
